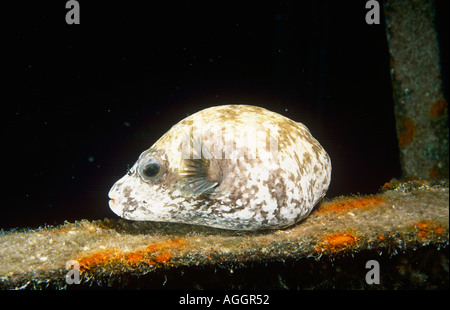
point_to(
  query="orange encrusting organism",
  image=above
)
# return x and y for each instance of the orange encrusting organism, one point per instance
(393, 184)
(163, 258)
(434, 172)
(439, 230)
(336, 242)
(422, 234)
(161, 250)
(407, 130)
(439, 108)
(347, 204)
(428, 227)
(97, 258)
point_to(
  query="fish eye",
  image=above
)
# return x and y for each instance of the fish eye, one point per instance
(150, 170)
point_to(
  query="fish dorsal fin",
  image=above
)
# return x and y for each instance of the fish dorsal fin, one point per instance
(199, 173)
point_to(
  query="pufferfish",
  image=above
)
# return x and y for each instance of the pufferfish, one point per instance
(237, 167)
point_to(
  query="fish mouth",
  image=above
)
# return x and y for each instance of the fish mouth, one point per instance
(114, 201)
(115, 207)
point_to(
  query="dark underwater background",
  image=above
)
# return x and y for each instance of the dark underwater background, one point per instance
(81, 102)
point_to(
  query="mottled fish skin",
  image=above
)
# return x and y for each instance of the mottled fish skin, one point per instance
(272, 188)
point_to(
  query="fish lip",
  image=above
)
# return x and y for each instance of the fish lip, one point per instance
(115, 207)
(114, 200)
(112, 191)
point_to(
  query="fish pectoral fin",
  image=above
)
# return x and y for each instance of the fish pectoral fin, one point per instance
(199, 171)
(194, 176)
